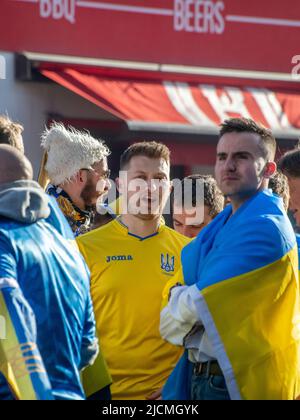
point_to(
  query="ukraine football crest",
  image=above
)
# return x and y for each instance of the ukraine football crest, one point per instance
(167, 263)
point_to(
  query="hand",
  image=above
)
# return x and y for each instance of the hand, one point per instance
(172, 288)
(156, 395)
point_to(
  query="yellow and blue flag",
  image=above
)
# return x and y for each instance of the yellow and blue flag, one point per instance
(246, 269)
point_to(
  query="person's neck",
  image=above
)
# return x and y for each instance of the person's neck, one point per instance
(139, 227)
(238, 200)
(76, 199)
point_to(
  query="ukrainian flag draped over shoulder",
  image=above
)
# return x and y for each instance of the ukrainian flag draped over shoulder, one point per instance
(246, 269)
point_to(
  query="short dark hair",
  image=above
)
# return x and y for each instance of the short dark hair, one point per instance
(10, 133)
(280, 186)
(213, 198)
(246, 125)
(289, 164)
(150, 149)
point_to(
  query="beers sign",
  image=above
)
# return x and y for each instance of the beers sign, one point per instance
(199, 16)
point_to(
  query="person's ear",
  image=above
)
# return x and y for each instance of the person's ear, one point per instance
(270, 169)
(80, 176)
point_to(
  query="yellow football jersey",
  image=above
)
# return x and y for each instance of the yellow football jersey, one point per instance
(128, 275)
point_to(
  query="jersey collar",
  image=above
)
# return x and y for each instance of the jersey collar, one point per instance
(124, 229)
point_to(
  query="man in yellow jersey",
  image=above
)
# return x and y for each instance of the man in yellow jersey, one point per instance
(131, 259)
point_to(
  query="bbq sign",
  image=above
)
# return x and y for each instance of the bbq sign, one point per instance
(58, 9)
(229, 34)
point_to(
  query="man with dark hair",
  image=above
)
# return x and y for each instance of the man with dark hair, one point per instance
(289, 164)
(44, 293)
(131, 259)
(239, 308)
(267, 142)
(11, 133)
(196, 202)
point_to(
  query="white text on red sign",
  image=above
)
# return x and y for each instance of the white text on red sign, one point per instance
(200, 16)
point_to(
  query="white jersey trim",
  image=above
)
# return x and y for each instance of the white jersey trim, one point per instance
(8, 282)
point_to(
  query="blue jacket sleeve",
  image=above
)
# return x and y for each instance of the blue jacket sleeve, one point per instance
(89, 347)
(21, 362)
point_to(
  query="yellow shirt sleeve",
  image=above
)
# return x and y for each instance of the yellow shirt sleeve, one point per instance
(96, 377)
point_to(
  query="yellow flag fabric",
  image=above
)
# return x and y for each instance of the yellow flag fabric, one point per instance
(274, 328)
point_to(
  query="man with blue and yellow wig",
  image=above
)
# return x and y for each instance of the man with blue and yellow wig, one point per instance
(238, 313)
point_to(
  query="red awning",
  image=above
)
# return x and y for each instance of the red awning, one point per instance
(182, 105)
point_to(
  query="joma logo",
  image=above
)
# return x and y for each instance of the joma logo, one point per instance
(119, 258)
